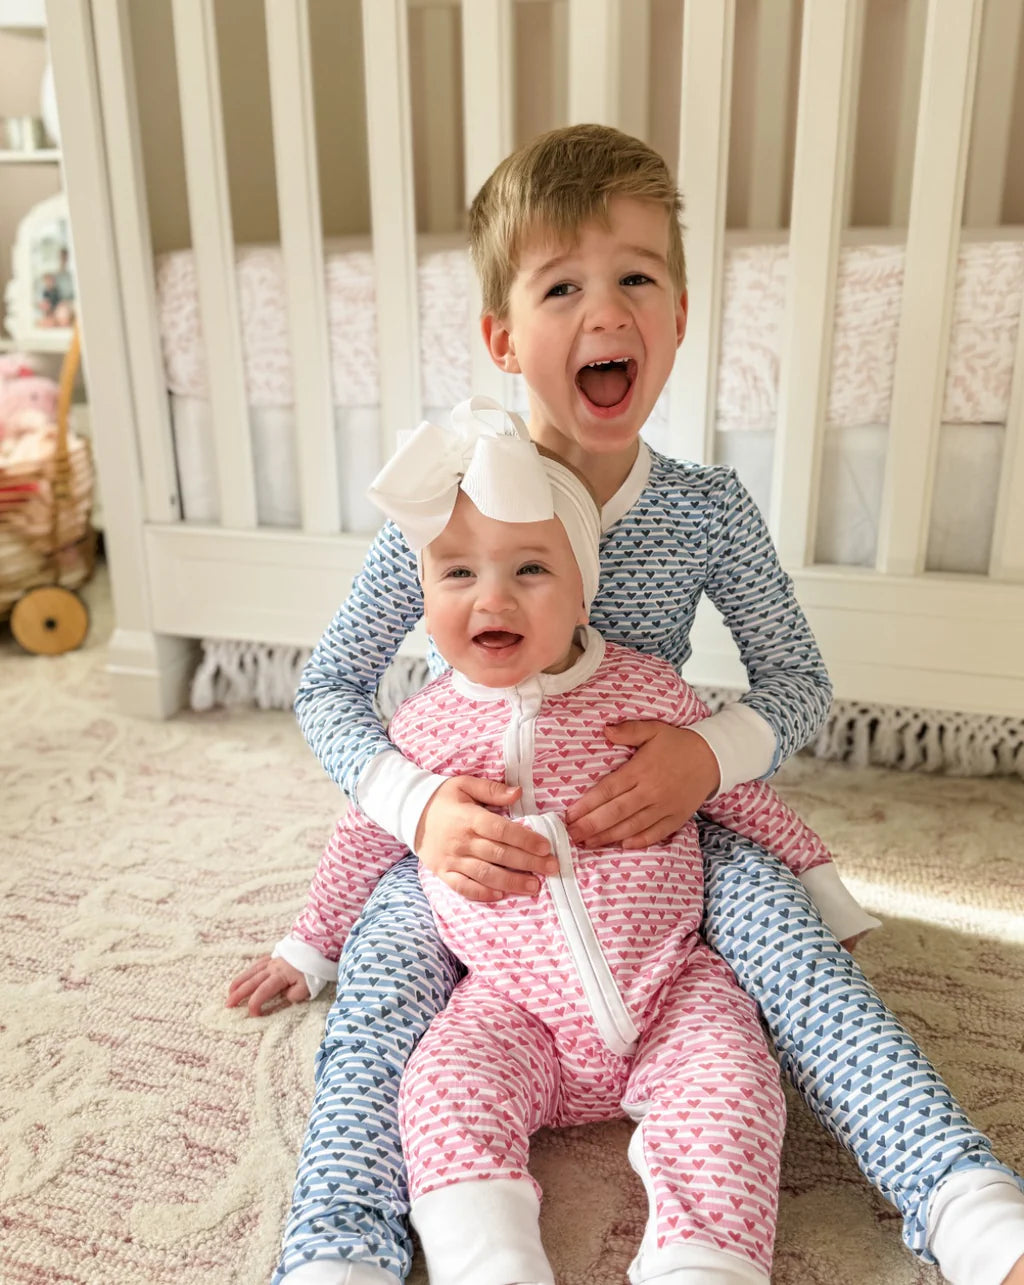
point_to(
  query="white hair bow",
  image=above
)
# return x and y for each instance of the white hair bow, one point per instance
(488, 454)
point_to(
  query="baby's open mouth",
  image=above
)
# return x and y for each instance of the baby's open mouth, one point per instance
(606, 383)
(496, 639)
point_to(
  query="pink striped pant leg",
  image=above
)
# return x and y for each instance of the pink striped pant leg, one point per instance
(482, 1079)
(707, 1092)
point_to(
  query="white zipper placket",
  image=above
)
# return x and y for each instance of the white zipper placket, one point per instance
(604, 999)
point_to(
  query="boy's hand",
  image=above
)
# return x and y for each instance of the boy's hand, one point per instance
(477, 853)
(668, 778)
(266, 980)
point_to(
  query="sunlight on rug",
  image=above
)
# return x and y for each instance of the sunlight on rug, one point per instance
(148, 1135)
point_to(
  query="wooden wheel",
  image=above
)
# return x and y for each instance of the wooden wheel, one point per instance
(50, 620)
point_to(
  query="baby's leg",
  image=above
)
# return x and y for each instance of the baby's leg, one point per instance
(857, 1067)
(484, 1078)
(348, 1218)
(706, 1090)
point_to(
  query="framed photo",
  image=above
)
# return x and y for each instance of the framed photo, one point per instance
(41, 297)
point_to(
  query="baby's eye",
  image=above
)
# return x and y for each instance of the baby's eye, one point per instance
(561, 290)
(531, 569)
(636, 279)
(457, 573)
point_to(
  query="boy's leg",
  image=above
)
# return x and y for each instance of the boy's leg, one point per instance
(706, 1091)
(350, 1203)
(858, 1069)
(485, 1077)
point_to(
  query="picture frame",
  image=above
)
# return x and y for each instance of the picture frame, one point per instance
(42, 296)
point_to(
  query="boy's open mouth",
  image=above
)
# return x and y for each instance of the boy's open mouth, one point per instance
(496, 640)
(606, 384)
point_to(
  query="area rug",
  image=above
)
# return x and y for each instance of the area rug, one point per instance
(148, 1135)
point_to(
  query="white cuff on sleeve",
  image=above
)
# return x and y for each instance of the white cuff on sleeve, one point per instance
(836, 904)
(393, 792)
(976, 1226)
(316, 970)
(741, 740)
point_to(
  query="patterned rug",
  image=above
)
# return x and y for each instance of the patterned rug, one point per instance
(148, 1135)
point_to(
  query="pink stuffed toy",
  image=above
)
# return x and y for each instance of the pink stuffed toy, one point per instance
(28, 401)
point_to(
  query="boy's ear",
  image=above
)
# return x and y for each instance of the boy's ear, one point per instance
(500, 345)
(682, 308)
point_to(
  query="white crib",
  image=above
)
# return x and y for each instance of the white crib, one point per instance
(896, 632)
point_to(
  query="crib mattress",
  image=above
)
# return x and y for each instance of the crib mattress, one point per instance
(989, 293)
(853, 467)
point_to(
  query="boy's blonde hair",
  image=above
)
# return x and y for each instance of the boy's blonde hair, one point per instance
(557, 183)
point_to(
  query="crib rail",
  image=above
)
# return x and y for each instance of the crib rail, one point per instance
(949, 133)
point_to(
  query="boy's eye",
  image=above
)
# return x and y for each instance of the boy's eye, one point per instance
(561, 290)
(457, 573)
(636, 279)
(531, 569)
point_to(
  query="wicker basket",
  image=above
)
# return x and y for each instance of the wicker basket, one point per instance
(45, 502)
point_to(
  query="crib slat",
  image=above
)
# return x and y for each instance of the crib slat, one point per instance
(993, 112)
(634, 62)
(768, 139)
(914, 21)
(202, 128)
(824, 139)
(1007, 561)
(133, 243)
(439, 54)
(704, 116)
(298, 201)
(933, 240)
(393, 213)
(594, 41)
(488, 77)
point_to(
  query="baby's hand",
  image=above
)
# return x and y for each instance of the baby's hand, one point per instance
(668, 778)
(264, 981)
(477, 853)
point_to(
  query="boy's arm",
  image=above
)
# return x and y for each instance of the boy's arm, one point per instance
(789, 686)
(335, 699)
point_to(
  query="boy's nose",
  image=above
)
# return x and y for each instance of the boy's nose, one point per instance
(608, 312)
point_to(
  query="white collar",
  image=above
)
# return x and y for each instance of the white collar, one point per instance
(541, 684)
(630, 490)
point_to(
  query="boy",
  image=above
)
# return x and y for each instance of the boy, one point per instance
(577, 242)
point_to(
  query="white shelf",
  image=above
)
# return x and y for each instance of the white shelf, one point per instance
(29, 14)
(41, 156)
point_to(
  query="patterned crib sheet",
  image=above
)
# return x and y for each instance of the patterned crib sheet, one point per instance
(989, 294)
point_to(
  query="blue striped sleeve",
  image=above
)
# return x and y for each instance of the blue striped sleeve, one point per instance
(789, 685)
(334, 701)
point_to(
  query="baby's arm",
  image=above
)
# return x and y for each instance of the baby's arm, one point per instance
(356, 855)
(753, 810)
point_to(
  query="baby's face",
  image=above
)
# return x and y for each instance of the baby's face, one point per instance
(502, 599)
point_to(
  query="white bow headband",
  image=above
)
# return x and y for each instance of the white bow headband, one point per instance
(491, 458)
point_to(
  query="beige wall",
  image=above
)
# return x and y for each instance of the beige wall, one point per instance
(22, 59)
